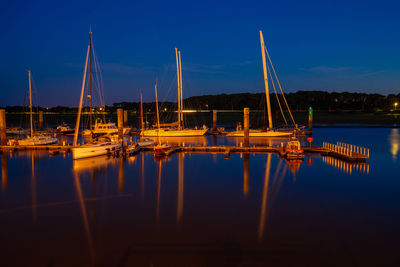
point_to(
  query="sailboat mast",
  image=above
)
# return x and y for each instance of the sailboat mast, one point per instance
(266, 80)
(30, 101)
(158, 117)
(181, 92)
(141, 113)
(90, 79)
(178, 79)
(81, 100)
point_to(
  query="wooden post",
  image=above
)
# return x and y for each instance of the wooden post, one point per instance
(125, 118)
(214, 120)
(120, 125)
(246, 112)
(41, 119)
(3, 135)
(310, 118)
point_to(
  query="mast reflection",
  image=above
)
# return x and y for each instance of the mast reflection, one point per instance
(82, 205)
(142, 176)
(246, 186)
(4, 171)
(121, 175)
(394, 140)
(179, 212)
(33, 186)
(159, 165)
(264, 198)
(270, 192)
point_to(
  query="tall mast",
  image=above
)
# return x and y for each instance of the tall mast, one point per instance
(178, 79)
(158, 118)
(141, 113)
(266, 80)
(81, 99)
(181, 92)
(30, 101)
(90, 78)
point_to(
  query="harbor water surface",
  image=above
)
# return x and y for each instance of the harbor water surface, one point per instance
(204, 209)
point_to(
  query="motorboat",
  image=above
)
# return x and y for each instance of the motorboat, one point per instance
(103, 127)
(293, 150)
(146, 142)
(64, 129)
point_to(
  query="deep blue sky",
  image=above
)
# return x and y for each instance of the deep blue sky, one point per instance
(315, 45)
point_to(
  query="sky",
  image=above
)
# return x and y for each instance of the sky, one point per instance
(315, 45)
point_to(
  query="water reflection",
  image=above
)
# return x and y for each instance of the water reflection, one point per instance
(394, 140)
(121, 175)
(93, 164)
(246, 167)
(4, 171)
(345, 166)
(159, 166)
(33, 187)
(82, 205)
(179, 212)
(270, 192)
(264, 199)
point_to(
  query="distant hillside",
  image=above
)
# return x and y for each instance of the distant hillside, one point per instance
(300, 100)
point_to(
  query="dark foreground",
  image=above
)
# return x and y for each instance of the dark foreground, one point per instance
(203, 209)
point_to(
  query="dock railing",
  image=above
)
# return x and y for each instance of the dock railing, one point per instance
(347, 150)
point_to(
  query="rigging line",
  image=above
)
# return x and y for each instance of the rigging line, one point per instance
(277, 98)
(99, 77)
(279, 84)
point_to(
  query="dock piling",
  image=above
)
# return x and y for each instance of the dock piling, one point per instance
(41, 119)
(120, 125)
(214, 120)
(246, 112)
(125, 117)
(3, 135)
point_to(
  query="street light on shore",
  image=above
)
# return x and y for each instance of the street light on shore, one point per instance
(395, 105)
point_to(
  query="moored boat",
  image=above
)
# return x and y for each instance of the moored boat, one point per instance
(64, 129)
(146, 142)
(38, 140)
(103, 127)
(94, 149)
(293, 150)
(35, 139)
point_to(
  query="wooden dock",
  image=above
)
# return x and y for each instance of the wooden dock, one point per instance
(341, 151)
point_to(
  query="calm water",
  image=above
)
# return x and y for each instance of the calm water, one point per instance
(202, 209)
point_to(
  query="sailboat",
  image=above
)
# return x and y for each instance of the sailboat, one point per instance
(143, 142)
(94, 148)
(35, 140)
(270, 132)
(160, 149)
(175, 129)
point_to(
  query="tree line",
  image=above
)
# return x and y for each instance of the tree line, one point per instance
(300, 100)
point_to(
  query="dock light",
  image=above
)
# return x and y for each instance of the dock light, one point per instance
(395, 105)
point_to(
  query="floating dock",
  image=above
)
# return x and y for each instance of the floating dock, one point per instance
(339, 150)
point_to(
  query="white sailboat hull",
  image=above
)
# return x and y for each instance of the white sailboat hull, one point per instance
(173, 132)
(37, 141)
(93, 150)
(256, 133)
